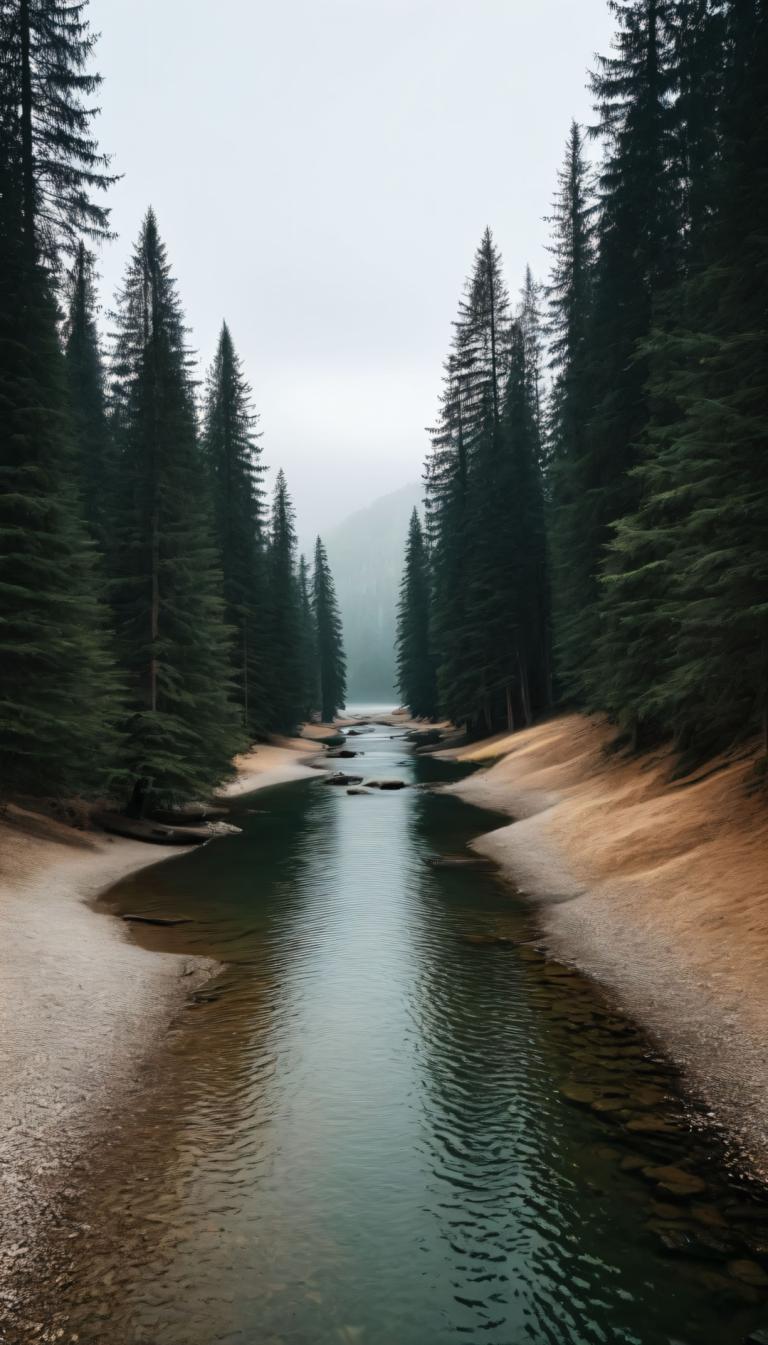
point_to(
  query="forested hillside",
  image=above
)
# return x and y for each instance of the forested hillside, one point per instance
(153, 618)
(597, 499)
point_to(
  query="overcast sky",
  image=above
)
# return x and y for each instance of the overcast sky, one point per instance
(322, 171)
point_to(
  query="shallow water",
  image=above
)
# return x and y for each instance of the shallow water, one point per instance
(359, 1132)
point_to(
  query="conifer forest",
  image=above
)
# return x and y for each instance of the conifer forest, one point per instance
(596, 522)
(154, 615)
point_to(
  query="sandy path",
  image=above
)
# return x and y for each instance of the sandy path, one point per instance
(81, 1004)
(656, 886)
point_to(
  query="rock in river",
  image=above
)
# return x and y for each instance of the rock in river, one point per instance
(341, 779)
(386, 784)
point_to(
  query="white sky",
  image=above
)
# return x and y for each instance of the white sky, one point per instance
(322, 171)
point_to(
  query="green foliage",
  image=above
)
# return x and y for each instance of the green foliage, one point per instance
(169, 613)
(309, 645)
(58, 697)
(569, 295)
(485, 511)
(87, 398)
(416, 670)
(46, 47)
(233, 457)
(286, 686)
(685, 608)
(57, 683)
(330, 648)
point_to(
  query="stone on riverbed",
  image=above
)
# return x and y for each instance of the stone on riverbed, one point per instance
(386, 784)
(676, 1181)
(358, 789)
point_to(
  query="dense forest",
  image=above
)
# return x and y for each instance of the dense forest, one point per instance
(596, 490)
(154, 618)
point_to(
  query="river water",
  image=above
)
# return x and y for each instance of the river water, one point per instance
(378, 1127)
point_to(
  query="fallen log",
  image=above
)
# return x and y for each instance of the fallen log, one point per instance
(157, 919)
(156, 833)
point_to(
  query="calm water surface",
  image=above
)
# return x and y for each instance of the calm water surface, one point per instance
(361, 1136)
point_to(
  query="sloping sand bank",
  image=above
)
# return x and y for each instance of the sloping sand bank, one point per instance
(658, 887)
(81, 1005)
(274, 763)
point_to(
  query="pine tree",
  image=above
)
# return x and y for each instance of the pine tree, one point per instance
(46, 49)
(639, 254)
(286, 685)
(233, 455)
(57, 685)
(87, 398)
(331, 663)
(569, 295)
(416, 673)
(531, 323)
(687, 592)
(460, 483)
(173, 643)
(309, 645)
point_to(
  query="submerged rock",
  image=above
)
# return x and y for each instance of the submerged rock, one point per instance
(676, 1181)
(358, 789)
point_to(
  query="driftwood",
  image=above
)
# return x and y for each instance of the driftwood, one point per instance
(460, 862)
(186, 814)
(158, 919)
(157, 833)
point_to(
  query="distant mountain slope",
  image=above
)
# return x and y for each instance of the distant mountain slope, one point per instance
(366, 553)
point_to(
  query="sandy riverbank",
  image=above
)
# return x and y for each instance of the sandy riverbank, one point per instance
(267, 764)
(82, 1004)
(658, 887)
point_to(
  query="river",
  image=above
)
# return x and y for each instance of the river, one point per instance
(378, 1127)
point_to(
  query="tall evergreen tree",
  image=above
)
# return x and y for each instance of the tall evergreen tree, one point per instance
(286, 674)
(569, 297)
(169, 613)
(687, 591)
(531, 323)
(87, 398)
(416, 672)
(309, 644)
(57, 690)
(639, 252)
(233, 456)
(46, 50)
(330, 647)
(460, 483)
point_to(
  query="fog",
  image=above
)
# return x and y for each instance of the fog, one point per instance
(322, 171)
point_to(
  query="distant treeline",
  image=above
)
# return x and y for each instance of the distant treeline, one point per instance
(597, 489)
(153, 617)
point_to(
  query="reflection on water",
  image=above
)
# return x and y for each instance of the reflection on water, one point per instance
(359, 1131)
